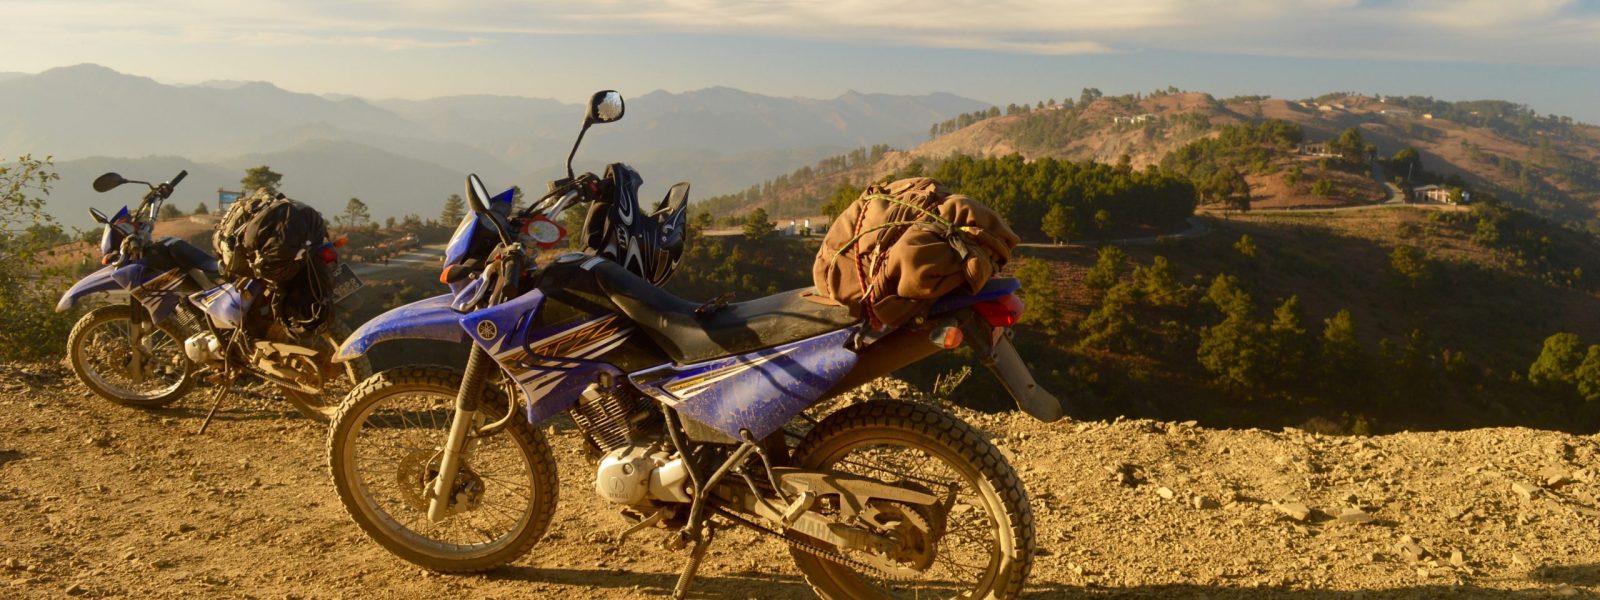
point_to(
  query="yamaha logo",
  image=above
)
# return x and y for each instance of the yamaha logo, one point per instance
(487, 330)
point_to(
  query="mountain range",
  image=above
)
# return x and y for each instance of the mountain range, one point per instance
(405, 156)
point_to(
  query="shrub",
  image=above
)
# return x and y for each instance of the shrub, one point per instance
(27, 296)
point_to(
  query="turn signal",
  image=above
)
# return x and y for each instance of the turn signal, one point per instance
(947, 337)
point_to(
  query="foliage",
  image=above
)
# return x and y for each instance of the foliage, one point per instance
(1561, 356)
(1107, 268)
(454, 210)
(1039, 292)
(355, 214)
(1158, 283)
(1246, 246)
(1411, 265)
(757, 225)
(202, 209)
(1112, 326)
(1059, 223)
(1287, 341)
(1235, 350)
(33, 328)
(170, 211)
(1322, 188)
(842, 197)
(1587, 375)
(1217, 165)
(262, 177)
(1022, 192)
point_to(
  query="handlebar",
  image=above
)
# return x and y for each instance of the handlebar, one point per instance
(179, 179)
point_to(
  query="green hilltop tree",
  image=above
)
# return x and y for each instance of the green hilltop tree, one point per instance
(1060, 224)
(260, 178)
(170, 211)
(454, 210)
(356, 214)
(202, 209)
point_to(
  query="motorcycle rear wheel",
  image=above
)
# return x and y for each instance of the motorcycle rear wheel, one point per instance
(101, 336)
(386, 439)
(985, 536)
(323, 407)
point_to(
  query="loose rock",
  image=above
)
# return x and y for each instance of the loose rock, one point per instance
(1294, 510)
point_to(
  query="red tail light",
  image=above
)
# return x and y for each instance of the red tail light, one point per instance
(328, 255)
(1001, 313)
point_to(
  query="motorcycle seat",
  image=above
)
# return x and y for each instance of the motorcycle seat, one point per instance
(190, 257)
(689, 335)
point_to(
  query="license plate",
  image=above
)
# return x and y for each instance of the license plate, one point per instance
(345, 282)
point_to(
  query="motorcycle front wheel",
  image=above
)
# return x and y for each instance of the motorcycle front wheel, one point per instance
(384, 450)
(977, 542)
(147, 373)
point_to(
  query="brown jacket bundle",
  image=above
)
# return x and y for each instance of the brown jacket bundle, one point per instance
(903, 245)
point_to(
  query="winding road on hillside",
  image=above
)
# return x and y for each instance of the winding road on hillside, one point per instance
(428, 255)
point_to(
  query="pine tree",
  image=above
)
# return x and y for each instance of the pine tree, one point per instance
(454, 210)
(1059, 224)
(1039, 293)
(1557, 361)
(260, 178)
(1111, 326)
(1107, 270)
(1287, 335)
(1588, 375)
(1235, 350)
(355, 213)
(1159, 283)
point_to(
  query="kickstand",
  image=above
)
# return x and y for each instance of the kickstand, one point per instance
(216, 400)
(696, 554)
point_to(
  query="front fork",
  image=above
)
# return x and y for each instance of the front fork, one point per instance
(136, 354)
(479, 365)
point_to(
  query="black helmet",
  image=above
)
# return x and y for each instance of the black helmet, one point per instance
(646, 241)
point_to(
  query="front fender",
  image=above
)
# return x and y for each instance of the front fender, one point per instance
(93, 283)
(429, 319)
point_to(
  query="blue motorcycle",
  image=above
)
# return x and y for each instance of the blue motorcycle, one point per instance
(697, 417)
(169, 323)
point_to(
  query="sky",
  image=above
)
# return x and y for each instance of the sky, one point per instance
(1544, 53)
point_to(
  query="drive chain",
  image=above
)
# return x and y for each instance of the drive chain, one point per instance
(807, 547)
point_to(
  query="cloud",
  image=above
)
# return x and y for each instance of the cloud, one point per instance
(1497, 31)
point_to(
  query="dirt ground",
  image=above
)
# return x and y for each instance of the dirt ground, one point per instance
(103, 501)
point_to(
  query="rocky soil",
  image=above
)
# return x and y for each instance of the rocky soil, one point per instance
(104, 501)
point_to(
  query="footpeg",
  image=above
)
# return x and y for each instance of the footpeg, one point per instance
(799, 507)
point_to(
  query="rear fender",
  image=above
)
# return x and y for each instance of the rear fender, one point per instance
(428, 319)
(996, 352)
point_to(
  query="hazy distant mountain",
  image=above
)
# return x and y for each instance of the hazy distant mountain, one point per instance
(721, 139)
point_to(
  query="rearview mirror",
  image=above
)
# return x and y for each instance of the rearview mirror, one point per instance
(605, 107)
(99, 217)
(107, 182)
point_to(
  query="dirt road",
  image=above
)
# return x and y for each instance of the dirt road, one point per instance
(103, 501)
